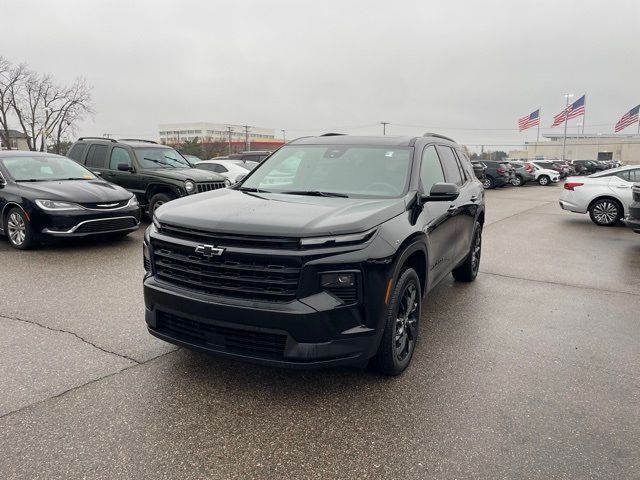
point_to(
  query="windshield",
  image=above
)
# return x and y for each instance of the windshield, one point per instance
(359, 171)
(154, 157)
(42, 168)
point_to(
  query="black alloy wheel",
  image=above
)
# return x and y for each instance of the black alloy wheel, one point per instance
(401, 326)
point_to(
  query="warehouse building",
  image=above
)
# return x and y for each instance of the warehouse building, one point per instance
(625, 148)
(173, 133)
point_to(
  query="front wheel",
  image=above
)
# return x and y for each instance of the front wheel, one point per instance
(544, 180)
(158, 200)
(19, 230)
(401, 325)
(517, 181)
(468, 270)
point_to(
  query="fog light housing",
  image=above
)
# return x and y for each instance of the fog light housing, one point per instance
(337, 280)
(147, 257)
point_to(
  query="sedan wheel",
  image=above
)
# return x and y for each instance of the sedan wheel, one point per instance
(18, 230)
(544, 180)
(605, 212)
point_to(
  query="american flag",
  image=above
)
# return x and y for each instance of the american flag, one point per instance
(572, 111)
(627, 119)
(529, 121)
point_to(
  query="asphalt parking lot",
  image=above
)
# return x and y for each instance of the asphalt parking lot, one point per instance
(533, 371)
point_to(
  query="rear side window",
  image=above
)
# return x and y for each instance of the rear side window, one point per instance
(119, 155)
(450, 164)
(77, 152)
(430, 169)
(97, 156)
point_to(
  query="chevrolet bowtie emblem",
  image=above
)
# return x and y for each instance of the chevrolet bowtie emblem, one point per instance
(209, 251)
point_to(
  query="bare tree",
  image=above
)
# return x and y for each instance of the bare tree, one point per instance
(44, 109)
(9, 76)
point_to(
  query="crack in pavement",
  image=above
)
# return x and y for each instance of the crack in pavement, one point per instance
(60, 330)
(550, 282)
(77, 387)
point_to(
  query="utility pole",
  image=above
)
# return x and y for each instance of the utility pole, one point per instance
(229, 130)
(284, 136)
(106, 135)
(247, 145)
(567, 96)
(384, 127)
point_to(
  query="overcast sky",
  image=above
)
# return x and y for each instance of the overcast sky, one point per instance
(456, 67)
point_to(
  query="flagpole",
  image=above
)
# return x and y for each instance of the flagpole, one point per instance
(535, 150)
(564, 138)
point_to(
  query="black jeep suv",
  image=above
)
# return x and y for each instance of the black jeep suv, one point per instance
(155, 173)
(326, 265)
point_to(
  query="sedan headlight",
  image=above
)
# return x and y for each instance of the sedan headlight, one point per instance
(189, 186)
(57, 206)
(133, 202)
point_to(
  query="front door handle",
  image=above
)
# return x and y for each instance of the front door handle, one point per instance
(623, 186)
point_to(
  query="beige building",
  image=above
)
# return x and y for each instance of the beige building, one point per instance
(584, 147)
(17, 141)
(171, 133)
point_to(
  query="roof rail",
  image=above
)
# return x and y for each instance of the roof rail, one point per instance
(137, 140)
(437, 135)
(332, 134)
(99, 138)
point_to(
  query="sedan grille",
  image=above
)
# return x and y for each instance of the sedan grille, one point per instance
(232, 275)
(206, 187)
(231, 339)
(107, 225)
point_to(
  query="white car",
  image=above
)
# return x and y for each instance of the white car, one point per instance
(227, 168)
(544, 176)
(605, 195)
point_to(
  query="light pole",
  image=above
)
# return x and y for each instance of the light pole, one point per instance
(47, 111)
(567, 96)
(284, 136)
(579, 125)
(384, 127)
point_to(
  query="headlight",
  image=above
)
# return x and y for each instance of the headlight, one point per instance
(337, 280)
(55, 205)
(337, 239)
(156, 222)
(133, 202)
(189, 186)
(227, 182)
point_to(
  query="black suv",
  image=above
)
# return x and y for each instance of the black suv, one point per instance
(155, 173)
(497, 174)
(327, 265)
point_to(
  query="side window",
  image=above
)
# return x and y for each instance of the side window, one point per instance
(206, 166)
(450, 164)
(466, 170)
(634, 175)
(624, 175)
(221, 169)
(77, 151)
(119, 155)
(97, 156)
(430, 169)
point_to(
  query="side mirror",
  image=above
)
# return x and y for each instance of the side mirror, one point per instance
(442, 192)
(125, 167)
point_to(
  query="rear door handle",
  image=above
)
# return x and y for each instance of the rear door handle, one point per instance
(623, 186)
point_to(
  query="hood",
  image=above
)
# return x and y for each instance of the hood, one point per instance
(77, 191)
(272, 214)
(195, 174)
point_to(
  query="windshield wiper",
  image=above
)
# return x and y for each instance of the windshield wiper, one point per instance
(159, 162)
(315, 193)
(34, 180)
(253, 190)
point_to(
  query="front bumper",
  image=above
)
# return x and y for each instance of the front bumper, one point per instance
(306, 333)
(86, 223)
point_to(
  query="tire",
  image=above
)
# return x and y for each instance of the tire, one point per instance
(517, 181)
(468, 270)
(488, 183)
(18, 230)
(401, 330)
(159, 199)
(544, 180)
(605, 212)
